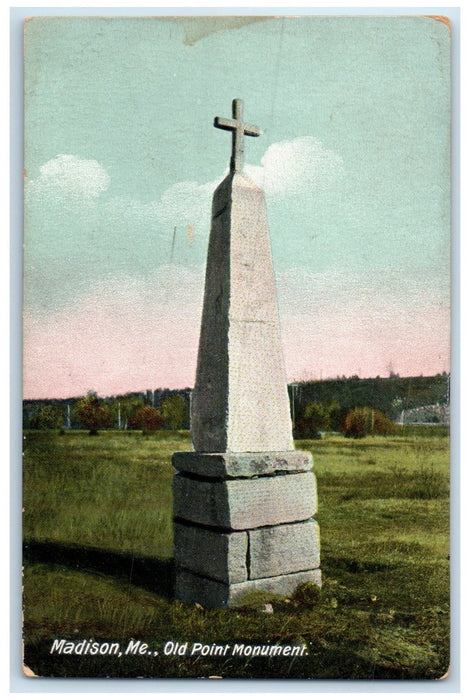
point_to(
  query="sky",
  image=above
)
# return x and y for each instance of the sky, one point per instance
(121, 160)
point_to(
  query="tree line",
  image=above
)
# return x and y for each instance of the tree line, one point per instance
(131, 412)
(351, 405)
(358, 407)
(356, 422)
(391, 395)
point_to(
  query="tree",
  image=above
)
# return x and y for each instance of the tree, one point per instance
(49, 417)
(316, 417)
(318, 414)
(123, 408)
(365, 420)
(146, 418)
(93, 413)
(173, 410)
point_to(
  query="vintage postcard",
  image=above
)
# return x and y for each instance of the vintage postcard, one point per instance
(236, 353)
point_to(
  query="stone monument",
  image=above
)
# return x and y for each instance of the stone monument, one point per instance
(245, 500)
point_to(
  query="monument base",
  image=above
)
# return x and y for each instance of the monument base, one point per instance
(192, 588)
(244, 522)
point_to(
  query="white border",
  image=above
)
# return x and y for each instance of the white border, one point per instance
(172, 686)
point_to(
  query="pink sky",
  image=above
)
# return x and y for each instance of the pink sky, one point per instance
(116, 341)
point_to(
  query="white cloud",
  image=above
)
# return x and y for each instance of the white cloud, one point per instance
(66, 217)
(287, 168)
(186, 203)
(71, 175)
(297, 167)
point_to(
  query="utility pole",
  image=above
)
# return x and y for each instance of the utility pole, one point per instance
(294, 386)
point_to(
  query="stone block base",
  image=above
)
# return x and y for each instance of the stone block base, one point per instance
(235, 535)
(283, 549)
(219, 555)
(240, 504)
(242, 464)
(213, 594)
(234, 557)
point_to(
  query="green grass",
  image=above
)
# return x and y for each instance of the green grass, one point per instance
(98, 562)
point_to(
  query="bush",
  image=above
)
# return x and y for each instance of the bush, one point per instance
(318, 414)
(145, 418)
(316, 418)
(93, 413)
(49, 417)
(365, 420)
(174, 411)
(306, 594)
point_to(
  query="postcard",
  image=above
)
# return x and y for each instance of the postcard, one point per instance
(236, 356)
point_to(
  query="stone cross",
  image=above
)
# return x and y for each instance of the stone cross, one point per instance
(238, 129)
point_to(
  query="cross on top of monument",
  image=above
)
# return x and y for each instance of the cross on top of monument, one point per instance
(238, 129)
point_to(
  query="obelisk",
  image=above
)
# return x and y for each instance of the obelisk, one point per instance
(245, 499)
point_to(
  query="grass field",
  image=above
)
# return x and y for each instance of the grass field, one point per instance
(98, 562)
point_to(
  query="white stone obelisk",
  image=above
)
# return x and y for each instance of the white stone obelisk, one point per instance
(240, 401)
(245, 500)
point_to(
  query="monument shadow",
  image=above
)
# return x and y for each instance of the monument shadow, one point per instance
(153, 574)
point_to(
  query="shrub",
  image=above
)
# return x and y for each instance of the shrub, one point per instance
(145, 418)
(316, 417)
(365, 420)
(49, 417)
(306, 594)
(93, 413)
(174, 411)
(318, 414)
